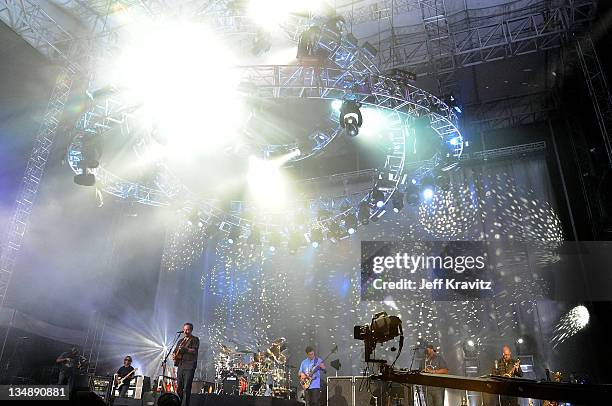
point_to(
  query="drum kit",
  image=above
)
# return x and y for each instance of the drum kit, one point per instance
(256, 373)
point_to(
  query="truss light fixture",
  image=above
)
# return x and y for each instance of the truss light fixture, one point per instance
(350, 117)
(316, 236)
(363, 214)
(398, 201)
(350, 222)
(378, 197)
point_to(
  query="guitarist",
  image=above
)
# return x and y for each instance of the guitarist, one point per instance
(312, 366)
(122, 372)
(185, 356)
(508, 367)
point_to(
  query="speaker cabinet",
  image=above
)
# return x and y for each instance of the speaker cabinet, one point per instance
(367, 392)
(127, 402)
(143, 384)
(340, 391)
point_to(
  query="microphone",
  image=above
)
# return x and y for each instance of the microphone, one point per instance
(179, 332)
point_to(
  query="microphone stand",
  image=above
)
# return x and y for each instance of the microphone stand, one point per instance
(165, 361)
(417, 388)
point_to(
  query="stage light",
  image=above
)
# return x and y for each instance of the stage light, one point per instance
(274, 242)
(455, 141)
(413, 181)
(520, 340)
(570, 324)
(398, 201)
(350, 222)
(363, 214)
(350, 117)
(470, 343)
(336, 104)
(378, 197)
(234, 235)
(159, 71)
(428, 193)
(266, 182)
(316, 236)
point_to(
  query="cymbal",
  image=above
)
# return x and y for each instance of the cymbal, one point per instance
(245, 352)
(279, 341)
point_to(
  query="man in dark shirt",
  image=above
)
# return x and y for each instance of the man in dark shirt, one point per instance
(124, 371)
(70, 361)
(508, 367)
(434, 364)
(185, 356)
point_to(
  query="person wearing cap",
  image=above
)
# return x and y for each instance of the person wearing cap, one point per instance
(434, 364)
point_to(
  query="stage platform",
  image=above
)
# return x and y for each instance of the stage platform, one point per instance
(228, 400)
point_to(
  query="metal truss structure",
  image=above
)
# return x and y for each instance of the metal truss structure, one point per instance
(34, 171)
(37, 28)
(599, 91)
(509, 112)
(464, 40)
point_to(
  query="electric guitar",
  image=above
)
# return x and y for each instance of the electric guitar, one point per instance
(121, 381)
(307, 380)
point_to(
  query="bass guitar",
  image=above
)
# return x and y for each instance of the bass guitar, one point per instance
(307, 380)
(121, 381)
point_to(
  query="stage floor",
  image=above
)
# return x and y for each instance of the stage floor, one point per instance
(223, 400)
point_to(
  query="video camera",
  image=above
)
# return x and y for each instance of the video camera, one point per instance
(383, 328)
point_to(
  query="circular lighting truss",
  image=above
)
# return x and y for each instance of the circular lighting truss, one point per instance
(355, 79)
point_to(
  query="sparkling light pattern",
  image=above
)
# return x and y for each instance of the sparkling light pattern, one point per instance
(570, 324)
(251, 295)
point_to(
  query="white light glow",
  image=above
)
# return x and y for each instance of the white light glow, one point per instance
(266, 182)
(181, 75)
(428, 193)
(336, 104)
(269, 14)
(570, 324)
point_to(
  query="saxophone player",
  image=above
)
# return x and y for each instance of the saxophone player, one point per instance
(507, 367)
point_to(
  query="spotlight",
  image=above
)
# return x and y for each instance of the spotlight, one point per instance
(428, 193)
(364, 213)
(316, 236)
(350, 117)
(336, 104)
(234, 235)
(378, 197)
(398, 201)
(350, 222)
(520, 340)
(275, 240)
(469, 349)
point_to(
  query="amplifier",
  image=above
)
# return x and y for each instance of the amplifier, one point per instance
(202, 387)
(142, 384)
(101, 386)
(340, 391)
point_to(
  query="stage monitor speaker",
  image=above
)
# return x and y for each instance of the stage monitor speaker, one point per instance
(340, 391)
(202, 387)
(143, 384)
(88, 398)
(127, 402)
(149, 398)
(231, 385)
(367, 392)
(81, 382)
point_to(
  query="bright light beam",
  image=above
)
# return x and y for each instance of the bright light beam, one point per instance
(570, 324)
(267, 184)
